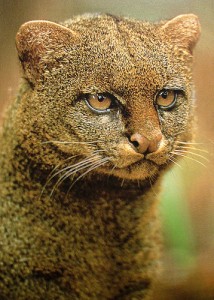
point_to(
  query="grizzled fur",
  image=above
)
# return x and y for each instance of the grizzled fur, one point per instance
(64, 236)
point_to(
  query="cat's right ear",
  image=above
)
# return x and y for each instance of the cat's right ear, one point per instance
(183, 31)
(37, 41)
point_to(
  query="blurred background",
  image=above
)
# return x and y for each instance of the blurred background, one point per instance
(187, 205)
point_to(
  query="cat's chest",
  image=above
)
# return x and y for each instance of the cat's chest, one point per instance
(105, 240)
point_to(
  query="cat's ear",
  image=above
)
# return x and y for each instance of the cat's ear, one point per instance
(183, 30)
(37, 41)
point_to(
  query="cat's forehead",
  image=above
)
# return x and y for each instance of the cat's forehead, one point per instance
(121, 51)
(108, 33)
(105, 50)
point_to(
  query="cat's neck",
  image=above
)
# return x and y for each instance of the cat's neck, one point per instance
(115, 220)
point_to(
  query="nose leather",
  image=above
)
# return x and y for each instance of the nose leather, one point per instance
(143, 144)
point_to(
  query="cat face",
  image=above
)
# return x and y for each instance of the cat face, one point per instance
(115, 94)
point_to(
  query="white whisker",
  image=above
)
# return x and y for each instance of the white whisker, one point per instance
(189, 143)
(112, 170)
(193, 148)
(151, 178)
(97, 164)
(122, 182)
(72, 166)
(69, 143)
(175, 162)
(73, 169)
(190, 152)
(62, 163)
(50, 176)
(191, 158)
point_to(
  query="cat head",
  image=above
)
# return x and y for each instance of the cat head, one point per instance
(113, 92)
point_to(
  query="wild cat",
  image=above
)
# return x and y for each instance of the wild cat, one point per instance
(104, 108)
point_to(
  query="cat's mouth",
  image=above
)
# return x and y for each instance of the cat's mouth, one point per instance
(129, 164)
(137, 166)
(139, 170)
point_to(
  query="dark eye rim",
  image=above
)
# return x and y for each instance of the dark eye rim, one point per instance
(100, 111)
(172, 105)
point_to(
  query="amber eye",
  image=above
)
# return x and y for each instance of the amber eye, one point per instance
(99, 102)
(166, 99)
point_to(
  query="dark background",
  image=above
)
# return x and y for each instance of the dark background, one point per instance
(187, 206)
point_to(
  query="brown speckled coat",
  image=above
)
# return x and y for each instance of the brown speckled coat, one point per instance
(78, 187)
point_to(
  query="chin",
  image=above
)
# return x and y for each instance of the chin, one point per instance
(136, 171)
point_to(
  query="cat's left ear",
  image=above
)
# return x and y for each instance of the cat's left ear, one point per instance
(183, 30)
(40, 44)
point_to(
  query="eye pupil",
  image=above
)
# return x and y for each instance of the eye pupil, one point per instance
(164, 94)
(100, 98)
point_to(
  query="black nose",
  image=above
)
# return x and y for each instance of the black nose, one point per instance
(143, 145)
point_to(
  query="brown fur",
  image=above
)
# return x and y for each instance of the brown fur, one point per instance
(99, 237)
